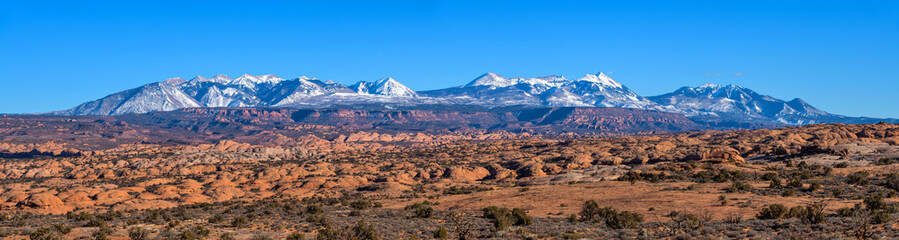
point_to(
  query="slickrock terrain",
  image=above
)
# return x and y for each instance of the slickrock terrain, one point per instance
(286, 174)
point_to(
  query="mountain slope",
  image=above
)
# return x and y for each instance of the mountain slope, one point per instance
(384, 86)
(161, 96)
(740, 104)
(714, 105)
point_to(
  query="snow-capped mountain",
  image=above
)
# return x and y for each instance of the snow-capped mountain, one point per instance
(384, 86)
(706, 103)
(732, 102)
(597, 90)
(161, 96)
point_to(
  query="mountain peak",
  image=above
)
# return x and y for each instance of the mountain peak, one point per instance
(220, 78)
(385, 80)
(174, 81)
(708, 85)
(602, 79)
(199, 79)
(492, 80)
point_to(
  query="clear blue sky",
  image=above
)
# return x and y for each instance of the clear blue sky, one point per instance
(841, 56)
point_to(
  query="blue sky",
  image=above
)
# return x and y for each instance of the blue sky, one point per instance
(841, 56)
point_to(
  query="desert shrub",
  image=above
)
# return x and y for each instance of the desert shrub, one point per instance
(138, 233)
(841, 165)
(227, 236)
(502, 218)
(846, 212)
(440, 233)
(261, 237)
(769, 176)
(421, 210)
(455, 190)
(739, 186)
(361, 204)
(95, 222)
(795, 182)
(102, 233)
(362, 231)
(774, 211)
(875, 201)
(613, 219)
(811, 214)
(814, 186)
(858, 178)
(624, 219)
(590, 210)
(314, 209)
(197, 232)
(239, 222)
(880, 217)
(572, 218)
(296, 236)
(685, 222)
(521, 217)
(775, 183)
(885, 161)
(328, 233)
(319, 219)
(571, 236)
(217, 218)
(633, 177)
(358, 231)
(787, 193)
(733, 218)
(46, 233)
(721, 175)
(891, 181)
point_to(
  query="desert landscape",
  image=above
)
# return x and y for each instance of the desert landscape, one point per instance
(262, 174)
(432, 119)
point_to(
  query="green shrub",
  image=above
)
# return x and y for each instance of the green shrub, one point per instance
(858, 178)
(572, 218)
(881, 217)
(363, 231)
(521, 217)
(814, 186)
(296, 236)
(624, 219)
(46, 233)
(217, 218)
(138, 233)
(774, 211)
(440, 233)
(795, 182)
(613, 219)
(361, 204)
(502, 218)
(421, 210)
(874, 201)
(239, 222)
(739, 186)
(892, 181)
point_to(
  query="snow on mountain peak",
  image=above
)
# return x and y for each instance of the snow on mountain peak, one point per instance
(492, 80)
(602, 79)
(385, 86)
(220, 78)
(174, 81)
(250, 79)
(708, 85)
(199, 79)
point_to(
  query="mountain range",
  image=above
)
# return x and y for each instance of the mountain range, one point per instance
(728, 106)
